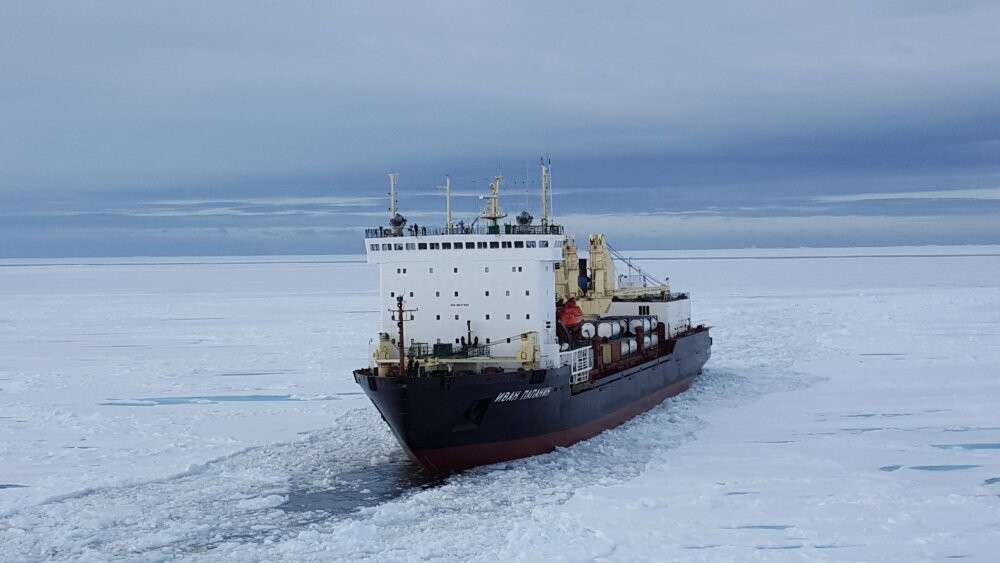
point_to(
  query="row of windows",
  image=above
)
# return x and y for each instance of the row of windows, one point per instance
(459, 245)
(527, 316)
(455, 270)
(439, 341)
(527, 292)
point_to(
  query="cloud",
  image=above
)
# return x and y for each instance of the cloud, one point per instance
(731, 116)
(976, 193)
(114, 95)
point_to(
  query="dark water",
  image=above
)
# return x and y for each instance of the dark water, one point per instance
(369, 486)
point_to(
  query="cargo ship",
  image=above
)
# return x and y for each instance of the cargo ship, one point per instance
(499, 340)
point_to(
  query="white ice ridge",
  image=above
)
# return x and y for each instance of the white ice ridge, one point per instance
(199, 410)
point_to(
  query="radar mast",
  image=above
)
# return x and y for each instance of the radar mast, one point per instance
(492, 213)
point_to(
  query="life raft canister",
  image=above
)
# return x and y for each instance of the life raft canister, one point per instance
(569, 314)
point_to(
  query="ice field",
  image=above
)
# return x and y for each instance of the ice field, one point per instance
(204, 410)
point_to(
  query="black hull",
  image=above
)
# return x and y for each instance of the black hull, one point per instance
(452, 423)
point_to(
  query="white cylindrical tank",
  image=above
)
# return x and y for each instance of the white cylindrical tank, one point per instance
(646, 342)
(588, 330)
(634, 323)
(654, 339)
(609, 328)
(605, 329)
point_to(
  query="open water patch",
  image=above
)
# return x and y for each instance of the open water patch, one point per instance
(878, 414)
(763, 527)
(252, 373)
(369, 486)
(990, 446)
(11, 486)
(943, 467)
(890, 468)
(216, 399)
(204, 400)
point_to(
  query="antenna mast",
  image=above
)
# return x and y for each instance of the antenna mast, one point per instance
(393, 178)
(545, 195)
(447, 198)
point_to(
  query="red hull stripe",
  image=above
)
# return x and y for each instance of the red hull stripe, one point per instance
(464, 457)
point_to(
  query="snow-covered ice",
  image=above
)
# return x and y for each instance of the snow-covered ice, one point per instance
(203, 409)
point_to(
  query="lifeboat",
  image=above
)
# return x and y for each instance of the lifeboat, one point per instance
(570, 314)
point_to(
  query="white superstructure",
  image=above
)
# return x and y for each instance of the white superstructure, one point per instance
(468, 298)
(460, 289)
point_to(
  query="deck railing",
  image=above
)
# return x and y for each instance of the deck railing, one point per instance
(420, 231)
(580, 362)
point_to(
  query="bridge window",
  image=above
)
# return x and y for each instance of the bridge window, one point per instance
(422, 246)
(373, 246)
(505, 244)
(386, 247)
(494, 244)
(435, 246)
(411, 246)
(480, 245)
(530, 244)
(543, 244)
(446, 245)
(518, 244)
(398, 246)
(470, 245)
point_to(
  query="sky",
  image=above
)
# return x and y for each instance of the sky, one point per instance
(249, 128)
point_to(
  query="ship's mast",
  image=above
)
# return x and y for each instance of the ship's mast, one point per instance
(400, 313)
(492, 212)
(545, 195)
(393, 178)
(447, 198)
